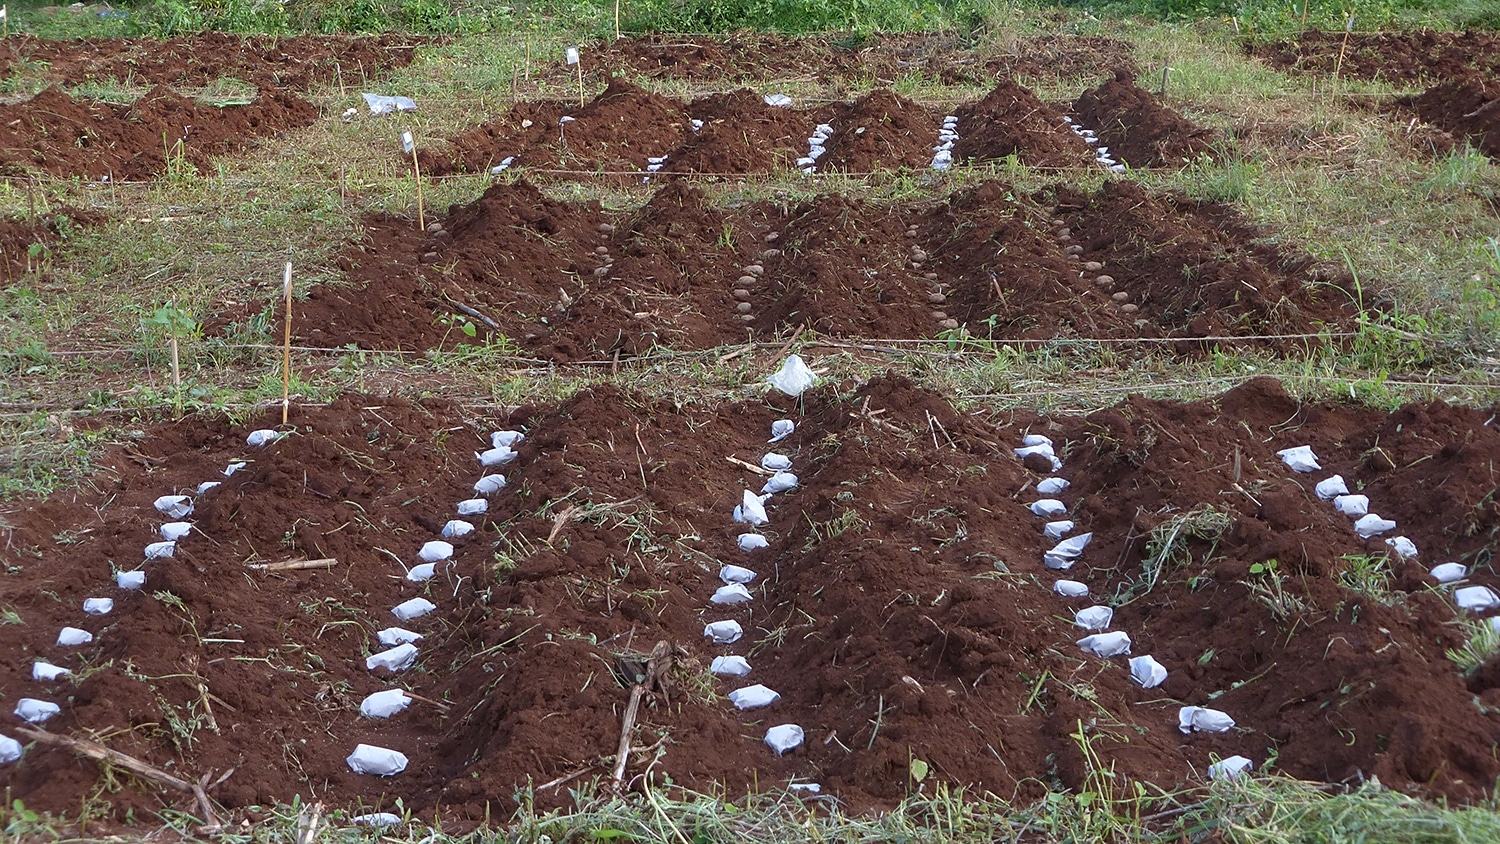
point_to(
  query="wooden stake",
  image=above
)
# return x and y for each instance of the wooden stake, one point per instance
(286, 348)
(4, 22)
(1302, 27)
(617, 20)
(338, 72)
(295, 565)
(528, 60)
(410, 142)
(31, 196)
(582, 100)
(1343, 48)
(1164, 69)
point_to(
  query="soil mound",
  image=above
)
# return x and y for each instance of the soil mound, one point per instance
(1063, 57)
(296, 63)
(1410, 56)
(1467, 107)
(1137, 128)
(879, 131)
(901, 609)
(1011, 120)
(742, 134)
(570, 282)
(57, 134)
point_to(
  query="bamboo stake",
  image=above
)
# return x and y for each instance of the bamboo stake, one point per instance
(576, 58)
(286, 348)
(1343, 49)
(1302, 27)
(410, 143)
(295, 565)
(617, 20)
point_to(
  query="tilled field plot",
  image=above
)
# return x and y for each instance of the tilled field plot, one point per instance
(569, 281)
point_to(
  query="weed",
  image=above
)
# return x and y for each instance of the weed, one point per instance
(1167, 548)
(1269, 587)
(1368, 575)
(1482, 643)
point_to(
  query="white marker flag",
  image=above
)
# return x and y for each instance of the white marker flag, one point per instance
(407, 142)
(572, 55)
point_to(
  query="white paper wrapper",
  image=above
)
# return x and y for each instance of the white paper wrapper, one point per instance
(98, 606)
(1071, 589)
(736, 574)
(1049, 507)
(778, 100)
(780, 482)
(809, 787)
(729, 666)
(752, 541)
(1370, 525)
(71, 636)
(733, 593)
(784, 737)
(774, 462)
(384, 704)
(1404, 548)
(420, 573)
(1147, 672)
(1352, 506)
(753, 697)
(435, 551)
(385, 104)
(456, 528)
(415, 608)
(1094, 618)
(495, 456)
(1331, 488)
(265, 436)
(1056, 563)
(380, 761)
(375, 819)
(1044, 449)
(173, 531)
(1449, 572)
(781, 429)
(1494, 623)
(1052, 486)
(1200, 719)
(489, 485)
(174, 506)
(35, 711)
(1058, 529)
(1031, 440)
(506, 439)
(160, 550)
(723, 632)
(130, 579)
(1071, 547)
(473, 507)
(46, 672)
(1476, 598)
(234, 467)
(1106, 644)
(398, 658)
(751, 511)
(1229, 769)
(794, 377)
(206, 486)
(10, 749)
(392, 636)
(1299, 458)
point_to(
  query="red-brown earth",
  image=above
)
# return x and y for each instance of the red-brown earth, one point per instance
(1401, 57)
(569, 281)
(1466, 106)
(1137, 128)
(902, 609)
(26, 245)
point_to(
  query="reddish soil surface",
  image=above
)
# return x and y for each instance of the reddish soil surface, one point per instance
(880, 131)
(1466, 107)
(18, 237)
(54, 133)
(571, 281)
(1413, 56)
(295, 63)
(1010, 120)
(1137, 128)
(903, 587)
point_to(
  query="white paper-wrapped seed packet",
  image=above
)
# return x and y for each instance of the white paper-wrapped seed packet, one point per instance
(1048, 507)
(781, 429)
(473, 507)
(1071, 589)
(1106, 644)
(376, 819)
(435, 551)
(421, 573)
(750, 510)
(1331, 488)
(723, 632)
(130, 579)
(98, 606)
(1449, 572)
(1094, 618)
(1352, 506)
(1404, 548)
(160, 550)
(393, 636)
(729, 666)
(732, 593)
(1058, 529)
(780, 482)
(753, 697)
(1051, 486)
(378, 761)
(46, 672)
(1370, 525)
(384, 704)
(736, 574)
(10, 749)
(457, 528)
(415, 608)
(495, 456)
(71, 636)
(35, 711)
(489, 485)
(265, 436)
(1201, 719)
(1229, 769)
(1476, 598)
(173, 531)
(784, 737)
(1299, 458)
(1147, 672)
(398, 658)
(752, 541)
(506, 439)
(774, 462)
(174, 506)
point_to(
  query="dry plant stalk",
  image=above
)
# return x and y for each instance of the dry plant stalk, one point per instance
(659, 663)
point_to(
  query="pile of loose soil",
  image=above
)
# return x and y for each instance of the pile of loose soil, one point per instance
(1138, 129)
(571, 281)
(880, 131)
(1063, 57)
(1409, 56)
(742, 134)
(1011, 120)
(296, 63)
(18, 238)
(902, 609)
(1466, 107)
(57, 134)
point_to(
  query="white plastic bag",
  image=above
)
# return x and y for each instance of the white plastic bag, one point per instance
(1370, 525)
(489, 485)
(779, 482)
(384, 704)
(794, 377)
(1147, 672)
(1052, 486)
(415, 608)
(265, 436)
(398, 658)
(729, 666)
(392, 636)
(723, 632)
(173, 531)
(752, 541)
(1299, 458)
(1202, 719)
(781, 429)
(174, 506)
(98, 606)
(1049, 507)
(473, 506)
(380, 761)
(1352, 506)
(130, 579)
(385, 104)
(1057, 529)
(778, 100)
(71, 636)
(784, 737)
(1229, 769)
(435, 551)
(736, 574)
(753, 697)
(1071, 589)
(1106, 644)
(160, 550)
(751, 511)
(733, 593)
(35, 711)
(46, 672)
(1094, 618)
(1331, 488)
(774, 462)
(457, 528)
(1476, 598)
(1449, 572)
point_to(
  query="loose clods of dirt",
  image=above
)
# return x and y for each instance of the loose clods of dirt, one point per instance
(1404, 56)
(1466, 107)
(57, 134)
(1137, 128)
(1011, 120)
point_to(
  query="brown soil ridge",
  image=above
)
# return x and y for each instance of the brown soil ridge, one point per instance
(567, 282)
(904, 576)
(57, 134)
(1466, 107)
(1138, 129)
(1408, 56)
(1011, 120)
(879, 131)
(295, 63)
